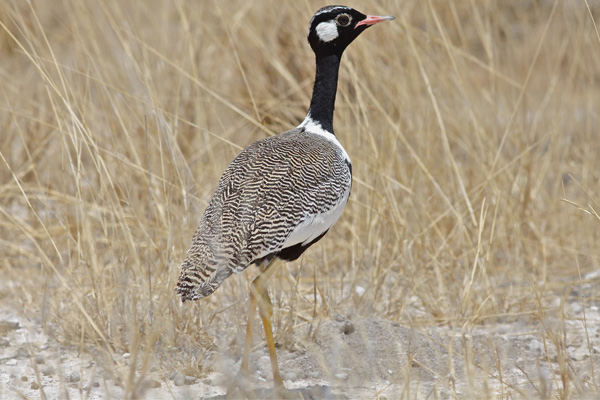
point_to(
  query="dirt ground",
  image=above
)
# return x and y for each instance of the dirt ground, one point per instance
(346, 357)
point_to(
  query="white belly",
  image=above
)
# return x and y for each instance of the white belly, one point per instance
(315, 225)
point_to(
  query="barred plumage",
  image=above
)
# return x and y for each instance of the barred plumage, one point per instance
(281, 194)
(270, 189)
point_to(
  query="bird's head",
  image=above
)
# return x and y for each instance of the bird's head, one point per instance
(333, 28)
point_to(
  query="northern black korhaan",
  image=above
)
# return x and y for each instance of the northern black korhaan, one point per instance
(281, 194)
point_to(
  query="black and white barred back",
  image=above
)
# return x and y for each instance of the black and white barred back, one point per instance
(276, 198)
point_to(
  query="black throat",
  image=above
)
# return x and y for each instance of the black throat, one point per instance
(324, 91)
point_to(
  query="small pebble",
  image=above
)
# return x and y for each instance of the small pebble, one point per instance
(290, 376)
(73, 377)
(39, 359)
(153, 383)
(127, 355)
(24, 378)
(6, 326)
(22, 352)
(342, 377)
(35, 386)
(190, 380)
(96, 384)
(348, 328)
(179, 380)
(47, 370)
(535, 345)
(314, 374)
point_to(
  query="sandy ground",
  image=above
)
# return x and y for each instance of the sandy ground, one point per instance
(347, 358)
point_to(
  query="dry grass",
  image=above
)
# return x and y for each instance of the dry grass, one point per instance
(472, 127)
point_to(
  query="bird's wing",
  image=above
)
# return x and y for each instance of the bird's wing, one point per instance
(271, 187)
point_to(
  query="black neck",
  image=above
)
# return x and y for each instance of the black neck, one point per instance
(323, 97)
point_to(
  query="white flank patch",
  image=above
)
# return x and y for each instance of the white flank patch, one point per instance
(316, 225)
(311, 126)
(327, 31)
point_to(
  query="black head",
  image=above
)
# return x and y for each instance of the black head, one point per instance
(333, 28)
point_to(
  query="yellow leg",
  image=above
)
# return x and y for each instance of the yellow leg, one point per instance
(265, 307)
(259, 297)
(266, 312)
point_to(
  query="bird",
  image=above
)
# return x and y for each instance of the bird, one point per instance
(281, 194)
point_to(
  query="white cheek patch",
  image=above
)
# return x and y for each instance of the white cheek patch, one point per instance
(327, 31)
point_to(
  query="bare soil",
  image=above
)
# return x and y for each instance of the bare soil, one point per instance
(345, 357)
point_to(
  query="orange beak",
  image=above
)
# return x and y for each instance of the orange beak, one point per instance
(374, 19)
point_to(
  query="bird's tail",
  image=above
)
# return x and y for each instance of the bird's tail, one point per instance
(198, 280)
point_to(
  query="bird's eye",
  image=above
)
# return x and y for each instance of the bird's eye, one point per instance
(343, 19)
